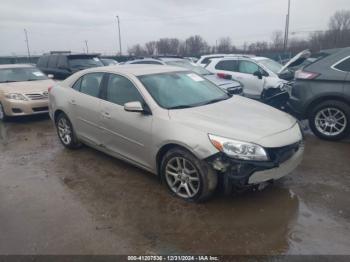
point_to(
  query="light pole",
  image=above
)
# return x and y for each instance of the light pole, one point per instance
(286, 33)
(27, 42)
(87, 47)
(120, 39)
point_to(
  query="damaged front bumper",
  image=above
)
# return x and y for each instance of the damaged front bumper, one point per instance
(242, 174)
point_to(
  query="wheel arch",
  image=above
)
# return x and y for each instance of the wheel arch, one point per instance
(318, 100)
(164, 149)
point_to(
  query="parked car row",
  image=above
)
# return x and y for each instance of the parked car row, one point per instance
(187, 124)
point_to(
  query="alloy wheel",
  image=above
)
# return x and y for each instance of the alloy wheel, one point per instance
(64, 131)
(330, 121)
(182, 177)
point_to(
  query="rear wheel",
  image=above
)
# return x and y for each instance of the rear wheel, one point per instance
(3, 115)
(330, 120)
(187, 177)
(66, 133)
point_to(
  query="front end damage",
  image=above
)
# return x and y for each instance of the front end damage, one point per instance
(236, 175)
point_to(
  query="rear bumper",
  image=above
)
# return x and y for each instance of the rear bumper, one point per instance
(22, 108)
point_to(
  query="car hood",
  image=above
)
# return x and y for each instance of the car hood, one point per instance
(239, 118)
(225, 83)
(296, 60)
(27, 87)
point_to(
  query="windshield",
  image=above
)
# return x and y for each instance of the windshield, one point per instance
(109, 62)
(85, 62)
(185, 64)
(21, 74)
(175, 90)
(271, 65)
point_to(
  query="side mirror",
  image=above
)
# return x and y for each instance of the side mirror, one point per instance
(258, 74)
(51, 76)
(135, 106)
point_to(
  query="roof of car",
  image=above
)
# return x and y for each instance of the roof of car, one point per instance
(15, 66)
(142, 60)
(137, 70)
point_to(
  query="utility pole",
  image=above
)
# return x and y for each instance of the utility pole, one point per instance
(27, 42)
(120, 40)
(87, 47)
(286, 32)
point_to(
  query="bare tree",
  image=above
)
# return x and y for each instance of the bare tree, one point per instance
(339, 28)
(225, 45)
(151, 47)
(277, 40)
(137, 50)
(196, 45)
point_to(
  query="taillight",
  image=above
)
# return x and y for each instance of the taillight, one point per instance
(49, 89)
(224, 76)
(300, 74)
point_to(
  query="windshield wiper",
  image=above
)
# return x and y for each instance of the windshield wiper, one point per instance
(9, 81)
(216, 100)
(181, 107)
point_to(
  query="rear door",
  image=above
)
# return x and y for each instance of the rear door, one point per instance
(128, 134)
(85, 107)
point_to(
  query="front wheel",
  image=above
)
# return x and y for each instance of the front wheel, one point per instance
(66, 133)
(330, 120)
(187, 177)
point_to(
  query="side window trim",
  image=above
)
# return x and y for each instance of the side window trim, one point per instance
(334, 67)
(100, 86)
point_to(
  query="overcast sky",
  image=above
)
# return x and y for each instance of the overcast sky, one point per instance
(64, 25)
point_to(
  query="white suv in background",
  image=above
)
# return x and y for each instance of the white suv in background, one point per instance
(255, 73)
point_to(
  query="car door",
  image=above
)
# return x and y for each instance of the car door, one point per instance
(253, 85)
(128, 134)
(85, 108)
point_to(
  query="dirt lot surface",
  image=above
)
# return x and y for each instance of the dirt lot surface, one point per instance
(56, 201)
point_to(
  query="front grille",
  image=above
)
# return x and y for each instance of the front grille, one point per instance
(40, 109)
(38, 96)
(282, 154)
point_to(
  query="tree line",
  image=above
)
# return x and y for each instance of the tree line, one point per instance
(337, 35)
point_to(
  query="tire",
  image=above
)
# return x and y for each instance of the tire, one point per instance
(66, 132)
(336, 123)
(194, 183)
(3, 116)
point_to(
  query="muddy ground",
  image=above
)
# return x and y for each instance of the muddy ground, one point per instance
(56, 201)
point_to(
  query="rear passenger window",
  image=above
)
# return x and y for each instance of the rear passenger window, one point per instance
(344, 65)
(90, 84)
(121, 90)
(62, 62)
(227, 65)
(52, 61)
(247, 67)
(43, 61)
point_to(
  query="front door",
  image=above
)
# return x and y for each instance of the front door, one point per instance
(253, 85)
(128, 134)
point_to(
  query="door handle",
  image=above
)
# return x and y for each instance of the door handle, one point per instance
(106, 115)
(73, 102)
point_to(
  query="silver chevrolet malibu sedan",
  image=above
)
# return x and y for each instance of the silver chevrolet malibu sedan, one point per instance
(177, 125)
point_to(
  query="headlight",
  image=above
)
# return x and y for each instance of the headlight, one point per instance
(15, 96)
(239, 149)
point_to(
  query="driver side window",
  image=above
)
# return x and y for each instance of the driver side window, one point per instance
(121, 90)
(247, 67)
